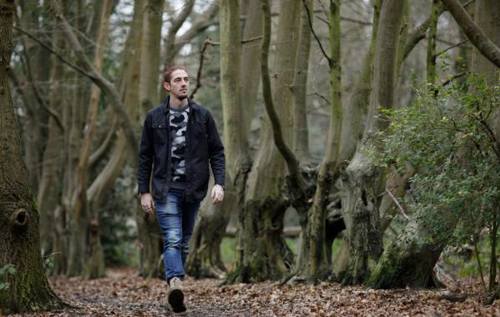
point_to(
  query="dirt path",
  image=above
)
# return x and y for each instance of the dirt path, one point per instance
(123, 293)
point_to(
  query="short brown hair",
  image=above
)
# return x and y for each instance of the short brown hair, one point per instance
(167, 73)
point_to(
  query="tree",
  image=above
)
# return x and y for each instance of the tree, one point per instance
(397, 266)
(264, 254)
(364, 181)
(28, 289)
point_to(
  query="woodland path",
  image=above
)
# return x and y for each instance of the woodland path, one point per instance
(123, 293)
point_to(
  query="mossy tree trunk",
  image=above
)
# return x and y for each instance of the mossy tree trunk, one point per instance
(263, 253)
(409, 260)
(364, 183)
(312, 262)
(28, 289)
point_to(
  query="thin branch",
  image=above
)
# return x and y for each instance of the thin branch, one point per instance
(361, 22)
(206, 43)
(49, 110)
(397, 204)
(452, 78)
(476, 253)
(309, 19)
(56, 54)
(252, 39)
(451, 47)
(200, 67)
(174, 44)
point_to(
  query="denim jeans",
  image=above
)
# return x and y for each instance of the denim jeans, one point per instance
(176, 218)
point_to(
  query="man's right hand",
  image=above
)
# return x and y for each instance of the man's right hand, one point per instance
(147, 203)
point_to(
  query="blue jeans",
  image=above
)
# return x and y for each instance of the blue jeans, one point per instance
(176, 218)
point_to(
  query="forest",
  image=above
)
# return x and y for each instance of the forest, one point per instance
(361, 142)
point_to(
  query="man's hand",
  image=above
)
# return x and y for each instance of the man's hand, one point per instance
(217, 194)
(147, 203)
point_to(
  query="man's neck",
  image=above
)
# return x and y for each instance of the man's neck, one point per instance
(176, 103)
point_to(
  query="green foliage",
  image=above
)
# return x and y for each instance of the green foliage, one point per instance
(446, 136)
(6, 270)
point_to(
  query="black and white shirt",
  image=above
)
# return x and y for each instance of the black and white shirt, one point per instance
(178, 127)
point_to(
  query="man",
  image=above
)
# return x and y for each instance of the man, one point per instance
(179, 141)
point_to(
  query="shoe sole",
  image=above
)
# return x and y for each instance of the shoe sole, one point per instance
(176, 301)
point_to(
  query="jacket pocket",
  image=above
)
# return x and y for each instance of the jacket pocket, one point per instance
(160, 133)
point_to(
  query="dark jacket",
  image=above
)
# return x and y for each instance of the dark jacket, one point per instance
(203, 145)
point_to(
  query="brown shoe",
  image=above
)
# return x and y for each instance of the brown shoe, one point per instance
(176, 296)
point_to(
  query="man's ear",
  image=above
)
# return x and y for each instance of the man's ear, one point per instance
(166, 86)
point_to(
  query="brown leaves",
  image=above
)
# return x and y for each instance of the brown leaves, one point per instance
(123, 293)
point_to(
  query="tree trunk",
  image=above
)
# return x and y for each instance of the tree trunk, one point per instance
(50, 187)
(312, 262)
(431, 43)
(263, 252)
(85, 248)
(299, 88)
(408, 261)
(28, 289)
(364, 183)
(34, 133)
(205, 258)
(147, 227)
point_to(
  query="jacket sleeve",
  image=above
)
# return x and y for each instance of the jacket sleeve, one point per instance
(215, 151)
(145, 157)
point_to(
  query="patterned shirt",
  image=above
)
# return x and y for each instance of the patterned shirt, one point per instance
(178, 127)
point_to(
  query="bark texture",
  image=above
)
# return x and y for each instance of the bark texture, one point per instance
(147, 227)
(263, 252)
(364, 183)
(28, 289)
(312, 262)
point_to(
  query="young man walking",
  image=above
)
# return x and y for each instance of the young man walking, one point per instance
(179, 142)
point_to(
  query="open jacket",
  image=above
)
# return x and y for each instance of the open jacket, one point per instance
(203, 146)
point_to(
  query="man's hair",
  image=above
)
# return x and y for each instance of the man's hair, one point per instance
(167, 73)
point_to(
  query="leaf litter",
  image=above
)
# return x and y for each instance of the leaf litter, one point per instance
(124, 293)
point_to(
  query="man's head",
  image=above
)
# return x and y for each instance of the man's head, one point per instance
(176, 81)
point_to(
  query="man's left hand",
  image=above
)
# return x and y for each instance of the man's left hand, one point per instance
(217, 194)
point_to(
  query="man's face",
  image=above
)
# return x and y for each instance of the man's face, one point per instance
(178, 85)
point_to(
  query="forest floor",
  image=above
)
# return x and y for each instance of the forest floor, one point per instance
(123, 293)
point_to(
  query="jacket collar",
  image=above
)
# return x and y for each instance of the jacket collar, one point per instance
(166, 102)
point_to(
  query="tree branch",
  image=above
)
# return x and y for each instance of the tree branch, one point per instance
(290, 159)
(200, 67)
(105, 85)
(473, 32)
(44, 106)
(391, 195)
(309, 19)
(63, 59)
(451, 47)
(418, 34)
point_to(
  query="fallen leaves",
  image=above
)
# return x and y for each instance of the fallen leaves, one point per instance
(123, 293)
